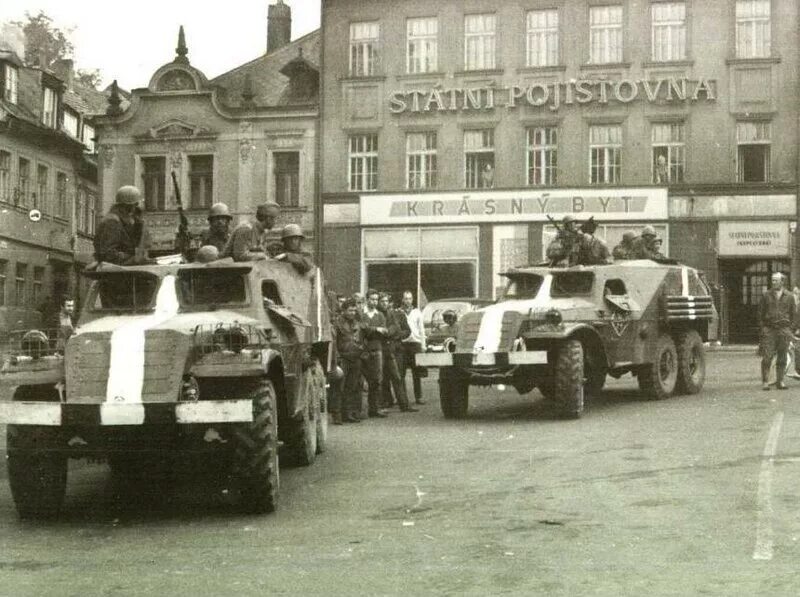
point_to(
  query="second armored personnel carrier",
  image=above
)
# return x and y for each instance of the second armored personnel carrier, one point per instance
(564, 330)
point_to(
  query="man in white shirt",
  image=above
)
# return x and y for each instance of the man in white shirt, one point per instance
(414, 344)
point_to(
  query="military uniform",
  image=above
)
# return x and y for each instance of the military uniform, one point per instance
(210, 237)
(115, 241)
(245, 244)
(593, 251)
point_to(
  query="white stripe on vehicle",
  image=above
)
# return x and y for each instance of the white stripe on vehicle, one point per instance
(30, 413)
(684, 281)
(126, 368)
(214, 411)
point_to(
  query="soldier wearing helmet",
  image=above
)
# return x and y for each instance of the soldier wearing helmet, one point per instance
(247, 240)
(625, 248)
(117, 237)
(644, 246)
(564, 249)
(292, 238)
(218, 232)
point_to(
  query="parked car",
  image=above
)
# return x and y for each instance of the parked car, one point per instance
(440, 336)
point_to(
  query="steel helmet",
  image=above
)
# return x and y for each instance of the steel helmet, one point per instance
(206, 254)
(648, 231)
(628, 235)
(291, 230)
(567, 219)
(219, 210)
(128, 195)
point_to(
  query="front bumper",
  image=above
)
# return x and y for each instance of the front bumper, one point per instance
(490, 359)
(108, 414)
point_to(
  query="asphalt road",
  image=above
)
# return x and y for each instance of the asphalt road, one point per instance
(688, 496)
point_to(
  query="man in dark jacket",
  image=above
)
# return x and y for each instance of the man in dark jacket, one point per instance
(292, 238)
(218, 232)
(350, 348)
(397, 331)
(116, 239)
(777, 320)
(247, 240)
(374, 323)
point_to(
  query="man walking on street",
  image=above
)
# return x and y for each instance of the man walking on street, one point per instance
(375, 330)
(397, 327)
(777, 320)
(413, 345)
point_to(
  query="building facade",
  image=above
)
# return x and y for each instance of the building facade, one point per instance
(242, 138)
(48, 186)
(453, 130)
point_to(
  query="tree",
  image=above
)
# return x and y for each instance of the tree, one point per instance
(44, 42)
(89, 77)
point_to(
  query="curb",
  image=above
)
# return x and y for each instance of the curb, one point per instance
(741, 348)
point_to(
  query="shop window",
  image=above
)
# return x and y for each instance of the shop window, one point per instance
(422, 45)
(38, 285)
(479, 159)
(605, 34)
(542, 38)
(753, 151)
(61, 194)
(201, 181)
(5, 177)
(669, 152)
(363, 162)
(20, 282)
(154, 171)
(71, 123)
(364, 39)
(50, 107)
(287, 178)
(753, 30)
(10, 83)
(668, 33)
(40, 198)
(542, 155)
(605, 154)
(3, 277)
(479, 42)
(23, 182)
(421, 160)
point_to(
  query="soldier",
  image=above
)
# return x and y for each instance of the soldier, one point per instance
(564, 248)
(246, 242)
(777, 318)
(592, 250)
(397, 329)
(643, 247)
(292, 238)
(116, 240)
(350, 349)
(625, 248)
(218, 232)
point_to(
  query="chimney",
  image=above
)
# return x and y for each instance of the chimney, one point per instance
(13, 39)
(64, 69)
(279, 26)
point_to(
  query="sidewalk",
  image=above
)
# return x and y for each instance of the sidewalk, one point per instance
(746, 348)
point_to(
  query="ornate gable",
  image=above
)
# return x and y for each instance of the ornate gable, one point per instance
(178, 129)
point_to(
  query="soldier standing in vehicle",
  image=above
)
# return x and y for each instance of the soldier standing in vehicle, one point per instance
(777, 320)
(218, 232)
(565, 247)
(247, 240)
(116, 240)
(292, 238)
(643, 246)
(624, 249)
(374, 331)
(350, 348)
(592, 250)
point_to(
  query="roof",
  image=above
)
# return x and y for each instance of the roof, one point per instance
(85, 99)
(269, 85)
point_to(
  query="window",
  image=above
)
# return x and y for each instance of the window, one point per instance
(542, 155)
(479, 159)
(154, 182)
(23, 182)
(61, 194)
(198, 287)
(423, 45)
(201, 181)
(86, 211)
(50, 109)
(19, 284)
(41, 196)
(479, 42)
(80, 209)
(124, 291)
(605, 34)
(753, 29)
(91, 216)
(10, 83)
(364, 49)
(38, 285)
(753, 141)
(287, 178)
(571, 283)
(88, 138)
(522, 286)
(542, 40)
(363, 162)
(5, 176)
(3, 276)
(669, 31)
(669, 152)
(605, 147)
(71, 123)
(421, 160)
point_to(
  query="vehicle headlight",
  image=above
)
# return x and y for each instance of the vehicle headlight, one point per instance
(553, 317)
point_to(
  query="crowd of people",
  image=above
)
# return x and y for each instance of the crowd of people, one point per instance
(376, 342)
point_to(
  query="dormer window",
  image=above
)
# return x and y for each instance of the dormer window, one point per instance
(50, 108)
(71, 123)
(10, 83)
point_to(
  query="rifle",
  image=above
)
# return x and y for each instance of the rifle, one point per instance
(183, 240)
(555, 223)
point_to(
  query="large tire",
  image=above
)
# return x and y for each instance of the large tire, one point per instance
(657, 380)
(453, 395)
(256, 452)
(37, 471)
(300, 444)
(569, 382)
(691, 362)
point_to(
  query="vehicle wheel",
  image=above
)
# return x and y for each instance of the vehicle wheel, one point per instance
(300, 446)
(37, 471)
(453, 395)
(691, 362)
(569, 382)
(255, 465)
(321, 397)
(546, 388)
(657, 380)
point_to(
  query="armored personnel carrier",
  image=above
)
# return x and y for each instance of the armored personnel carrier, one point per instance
(222, 359)
(564, 329)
